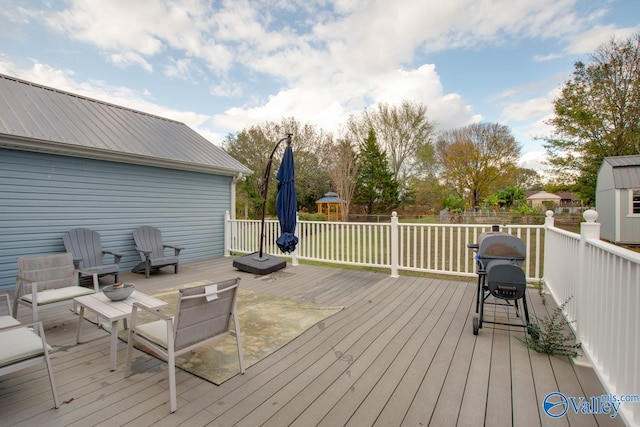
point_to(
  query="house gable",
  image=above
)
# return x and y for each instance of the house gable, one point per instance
(39, 118)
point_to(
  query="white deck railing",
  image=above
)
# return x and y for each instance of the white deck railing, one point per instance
(601, 283)
(429, 248)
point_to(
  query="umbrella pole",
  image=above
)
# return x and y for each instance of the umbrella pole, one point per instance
(265, 187)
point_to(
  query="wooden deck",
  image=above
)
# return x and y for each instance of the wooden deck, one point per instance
(402, 352)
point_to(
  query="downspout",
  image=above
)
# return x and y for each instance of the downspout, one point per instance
(229, 226)
(232, 201)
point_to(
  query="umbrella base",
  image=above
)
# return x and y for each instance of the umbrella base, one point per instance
(252, 263)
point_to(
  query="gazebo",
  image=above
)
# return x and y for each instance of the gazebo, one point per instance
(330, 205)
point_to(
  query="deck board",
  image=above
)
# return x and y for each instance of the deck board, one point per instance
(401, 352)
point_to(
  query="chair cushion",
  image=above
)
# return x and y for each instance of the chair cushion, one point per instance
(55, 295)
(19, 344)
(8, 321)
(155, 332)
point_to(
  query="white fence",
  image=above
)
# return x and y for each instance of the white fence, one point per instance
(429, 248)
(601, 283)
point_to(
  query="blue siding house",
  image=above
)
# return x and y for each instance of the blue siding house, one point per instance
(68, 161)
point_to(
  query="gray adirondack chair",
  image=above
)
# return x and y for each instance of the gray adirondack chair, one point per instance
(203, 314)
(149, 245)
(86, 247)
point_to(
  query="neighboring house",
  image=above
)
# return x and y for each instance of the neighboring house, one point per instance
(541, 198)
(618, 199)
(68, 161)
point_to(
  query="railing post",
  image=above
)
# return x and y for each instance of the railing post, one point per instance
(549, 220)
(296, 232)
(548, 258)
(227, 233)
(394, 244)
(588, 230)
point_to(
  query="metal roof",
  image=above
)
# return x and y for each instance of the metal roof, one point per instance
(626, 171)
(330, 197)
(39, 118)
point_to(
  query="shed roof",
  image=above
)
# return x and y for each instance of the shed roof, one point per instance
(626, 171)
(38, 118)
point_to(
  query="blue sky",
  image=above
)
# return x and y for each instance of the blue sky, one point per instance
(221, 66)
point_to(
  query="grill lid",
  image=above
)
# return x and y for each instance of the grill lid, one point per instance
(498, 244)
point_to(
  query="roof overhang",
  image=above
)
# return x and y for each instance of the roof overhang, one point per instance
(61, 149)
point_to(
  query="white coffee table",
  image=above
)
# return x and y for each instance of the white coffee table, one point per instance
(113, 311)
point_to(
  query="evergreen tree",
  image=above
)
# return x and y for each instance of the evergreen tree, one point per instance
(376, 188)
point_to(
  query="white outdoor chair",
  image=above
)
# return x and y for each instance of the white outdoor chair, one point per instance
(203, 314)
(23, 346)
(49, 280)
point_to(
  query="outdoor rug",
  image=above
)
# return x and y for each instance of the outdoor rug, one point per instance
(267, 323)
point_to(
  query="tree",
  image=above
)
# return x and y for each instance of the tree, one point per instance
(511, 197)
(478, 159)
(597, 114)
(454, 202)
(428, 193)
(376, 188)
(252, 148)
(528, 179)
(254, 145)
(344, 172)
(405, 134)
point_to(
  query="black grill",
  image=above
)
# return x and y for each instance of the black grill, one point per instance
(499, 259)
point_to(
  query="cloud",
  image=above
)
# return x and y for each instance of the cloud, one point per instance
(143, 27)
(536, 160)
(322, 61)
(545, 58)
(588, 41)
(123, 60)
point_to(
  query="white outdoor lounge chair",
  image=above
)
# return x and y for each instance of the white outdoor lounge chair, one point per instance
(203, 314)
(47, 280)
(23, 346)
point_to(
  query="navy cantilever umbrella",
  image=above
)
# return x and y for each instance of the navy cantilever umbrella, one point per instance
(286, 202)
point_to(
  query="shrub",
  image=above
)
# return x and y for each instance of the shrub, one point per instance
(306, 216)
(550, 337)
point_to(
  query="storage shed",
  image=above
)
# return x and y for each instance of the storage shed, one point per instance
(618, 199)
(68, 161)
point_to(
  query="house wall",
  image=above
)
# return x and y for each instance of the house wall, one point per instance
(43, 195)
(606, 203)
